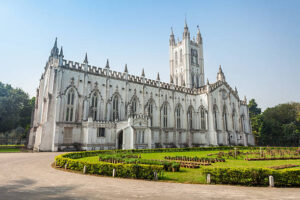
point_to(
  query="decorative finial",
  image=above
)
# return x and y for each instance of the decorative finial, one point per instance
(235, 90)
(61, 54)
(172, 31)
(126, 70)
(86, 59)
(220, 68)
(158, 78)
(143, 73)
(55, 50)
(171, 80)
(207, 82)
(107, 64)
(55, 43)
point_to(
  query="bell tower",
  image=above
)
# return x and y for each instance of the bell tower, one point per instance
(186, 60)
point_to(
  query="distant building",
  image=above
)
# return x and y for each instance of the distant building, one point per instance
(97, 108)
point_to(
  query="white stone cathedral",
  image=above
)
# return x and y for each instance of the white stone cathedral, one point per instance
(82, 106)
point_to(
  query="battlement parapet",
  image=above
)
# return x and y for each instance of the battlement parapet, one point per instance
(132, 78)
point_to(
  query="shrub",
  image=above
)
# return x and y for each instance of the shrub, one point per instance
(254, 176)
(139, 171)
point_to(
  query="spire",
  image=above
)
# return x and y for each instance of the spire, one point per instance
(220, 75)
(172, 38)
(207, 82)
(199, 37)
(107, 64)
(55, 50)
(171, 80)
(245, 98)
(55, 43)
(185, 23)
(186, 32)
(235, 90)
(86, 59)
(126, 70)
(158, 79)
(143, 73)
(61, 53)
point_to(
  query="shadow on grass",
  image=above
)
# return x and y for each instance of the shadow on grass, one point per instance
(26, 189)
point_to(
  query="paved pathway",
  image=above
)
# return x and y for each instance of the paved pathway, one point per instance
(30, 176)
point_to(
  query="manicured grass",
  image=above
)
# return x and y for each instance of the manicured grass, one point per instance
(187, 175)
(10, 150)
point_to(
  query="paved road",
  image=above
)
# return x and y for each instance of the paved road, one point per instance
(30, 176)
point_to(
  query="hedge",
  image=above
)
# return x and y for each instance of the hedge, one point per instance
(12, 146)
(83, 154)
(139, 171)
(254, 176)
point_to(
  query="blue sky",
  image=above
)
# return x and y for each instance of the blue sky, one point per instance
(256, 42)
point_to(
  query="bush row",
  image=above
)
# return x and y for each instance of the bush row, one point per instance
(12, 146)
(139, 171)
(161, 150)
(134, 159)
(254, 176)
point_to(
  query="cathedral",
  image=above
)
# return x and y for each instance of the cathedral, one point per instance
(83, 107)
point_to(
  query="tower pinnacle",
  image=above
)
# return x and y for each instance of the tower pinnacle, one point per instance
(143, 73)
(107, 64)
(86, 59)
(55, 50)
(61, 53)
(220, 75)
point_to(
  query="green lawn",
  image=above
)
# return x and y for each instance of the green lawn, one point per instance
(9, 150)
(187, 175)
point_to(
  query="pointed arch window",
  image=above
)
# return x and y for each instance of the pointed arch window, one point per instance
(216, 118)
(242, 123)
(178, 118)
(180, 56)
(115, 108)
(94, 105)
(165, 115)
(225, 118)
(176, 59)
(150, 113)
(70, 105)
(233, 120)
(202, 119)
(133, 106)
(190, 119)
(193, 84)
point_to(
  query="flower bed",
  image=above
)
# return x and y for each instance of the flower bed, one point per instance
(284, 166)
(275, 158)
(135, 159)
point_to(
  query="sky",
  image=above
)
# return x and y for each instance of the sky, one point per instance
(257, 42)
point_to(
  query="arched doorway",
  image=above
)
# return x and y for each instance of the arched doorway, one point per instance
(120, 140)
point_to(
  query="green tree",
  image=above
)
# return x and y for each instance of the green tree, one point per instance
(255, 117)
(15, 108)
(280, 126)
(253, 109)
